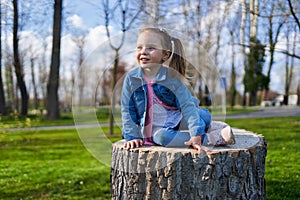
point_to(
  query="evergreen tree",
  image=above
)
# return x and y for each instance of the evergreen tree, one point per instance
(254, 79)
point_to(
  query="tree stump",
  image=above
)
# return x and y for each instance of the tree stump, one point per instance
(228, 172)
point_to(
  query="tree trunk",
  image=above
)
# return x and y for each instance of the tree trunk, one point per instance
(285, 99)
(10, 85)
(254, 12)
(233, 74)
(242, 41)
(34, 85)
(113, 99)
(17, 63)
(53, 82)
(2, 96)
(298, 94)
(230, 172)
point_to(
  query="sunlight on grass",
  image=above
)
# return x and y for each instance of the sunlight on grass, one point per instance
(49, 165)
(56, 165)
(282, 162)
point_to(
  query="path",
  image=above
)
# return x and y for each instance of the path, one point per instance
(283, 111)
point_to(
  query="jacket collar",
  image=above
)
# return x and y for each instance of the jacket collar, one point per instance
(162, 73)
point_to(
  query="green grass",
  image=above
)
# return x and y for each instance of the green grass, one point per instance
(36, 120)
(55, 164)
(240, 110)
(102, 114)
(15, 121)
(283, 161)
(50, 165)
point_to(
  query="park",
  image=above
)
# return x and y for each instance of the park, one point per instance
(53, 163)
(62, 74)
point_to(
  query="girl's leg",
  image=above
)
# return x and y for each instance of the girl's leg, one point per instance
(205, 116)
(169, 137)
(205, 119)
(220, 134)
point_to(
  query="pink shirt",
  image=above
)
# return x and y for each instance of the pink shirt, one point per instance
(158, 114)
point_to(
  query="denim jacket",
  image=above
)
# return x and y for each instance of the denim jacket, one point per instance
(169, 89)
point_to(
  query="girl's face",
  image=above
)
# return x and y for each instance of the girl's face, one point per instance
(149, 50)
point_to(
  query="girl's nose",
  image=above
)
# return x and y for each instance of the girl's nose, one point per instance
(144, 50)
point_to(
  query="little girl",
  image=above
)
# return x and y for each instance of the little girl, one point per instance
(156, 104)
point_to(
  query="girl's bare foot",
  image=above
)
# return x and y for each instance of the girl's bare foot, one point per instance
(227, 135)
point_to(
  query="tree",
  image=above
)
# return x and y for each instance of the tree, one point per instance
(298, 94)
(273, 39)
(289, 67)
(233, 22)
(242, 39)
(2, 96)
(53, 81)
(34, 83)
(254, 79)
(43, 72)
(123, 7)
(193, 30)
(254, 12)
(17, 63)
(233, 73)
(293, 13)
(82, 76)
(156, 12)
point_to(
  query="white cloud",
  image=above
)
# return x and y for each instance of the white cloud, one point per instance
(75, 21)
(95, 37)
(30, 42)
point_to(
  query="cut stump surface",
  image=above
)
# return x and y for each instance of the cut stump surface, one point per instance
(228, 172)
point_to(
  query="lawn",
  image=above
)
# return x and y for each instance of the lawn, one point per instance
(55, 164)
(283, 161)
(50, 165)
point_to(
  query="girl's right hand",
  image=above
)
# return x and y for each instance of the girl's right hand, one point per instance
(133, 144)
(196, 143)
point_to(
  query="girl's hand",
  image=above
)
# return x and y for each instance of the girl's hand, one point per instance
(133, 144)
(196, 143)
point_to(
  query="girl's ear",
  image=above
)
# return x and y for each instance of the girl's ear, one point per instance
(166, 55)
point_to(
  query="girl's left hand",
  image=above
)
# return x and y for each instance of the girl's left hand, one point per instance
(196, 143)
(133, 144)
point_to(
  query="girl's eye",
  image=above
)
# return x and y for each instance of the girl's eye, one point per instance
(139, 48)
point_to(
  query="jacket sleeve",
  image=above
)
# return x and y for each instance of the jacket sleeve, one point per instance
(130, 126)
(189, 109)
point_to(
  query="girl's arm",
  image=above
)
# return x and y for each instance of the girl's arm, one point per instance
(130, 128)
(189, 109)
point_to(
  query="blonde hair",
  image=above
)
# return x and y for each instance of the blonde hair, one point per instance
(173, 45)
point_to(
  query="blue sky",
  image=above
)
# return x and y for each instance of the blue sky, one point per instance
(88, 16)
(88, 12)
(82, 15)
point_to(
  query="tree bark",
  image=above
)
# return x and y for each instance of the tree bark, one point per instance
(254, 12)
(242, 40)
(34, 85)
(17, 62)
(230, 172)
(233, 73)
(53, 82)
(298, 94)
(2, 96)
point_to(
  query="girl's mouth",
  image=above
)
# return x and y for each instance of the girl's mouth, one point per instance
(144, 60)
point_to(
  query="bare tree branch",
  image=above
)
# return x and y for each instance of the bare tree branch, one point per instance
(293, 13)
(276, 50)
